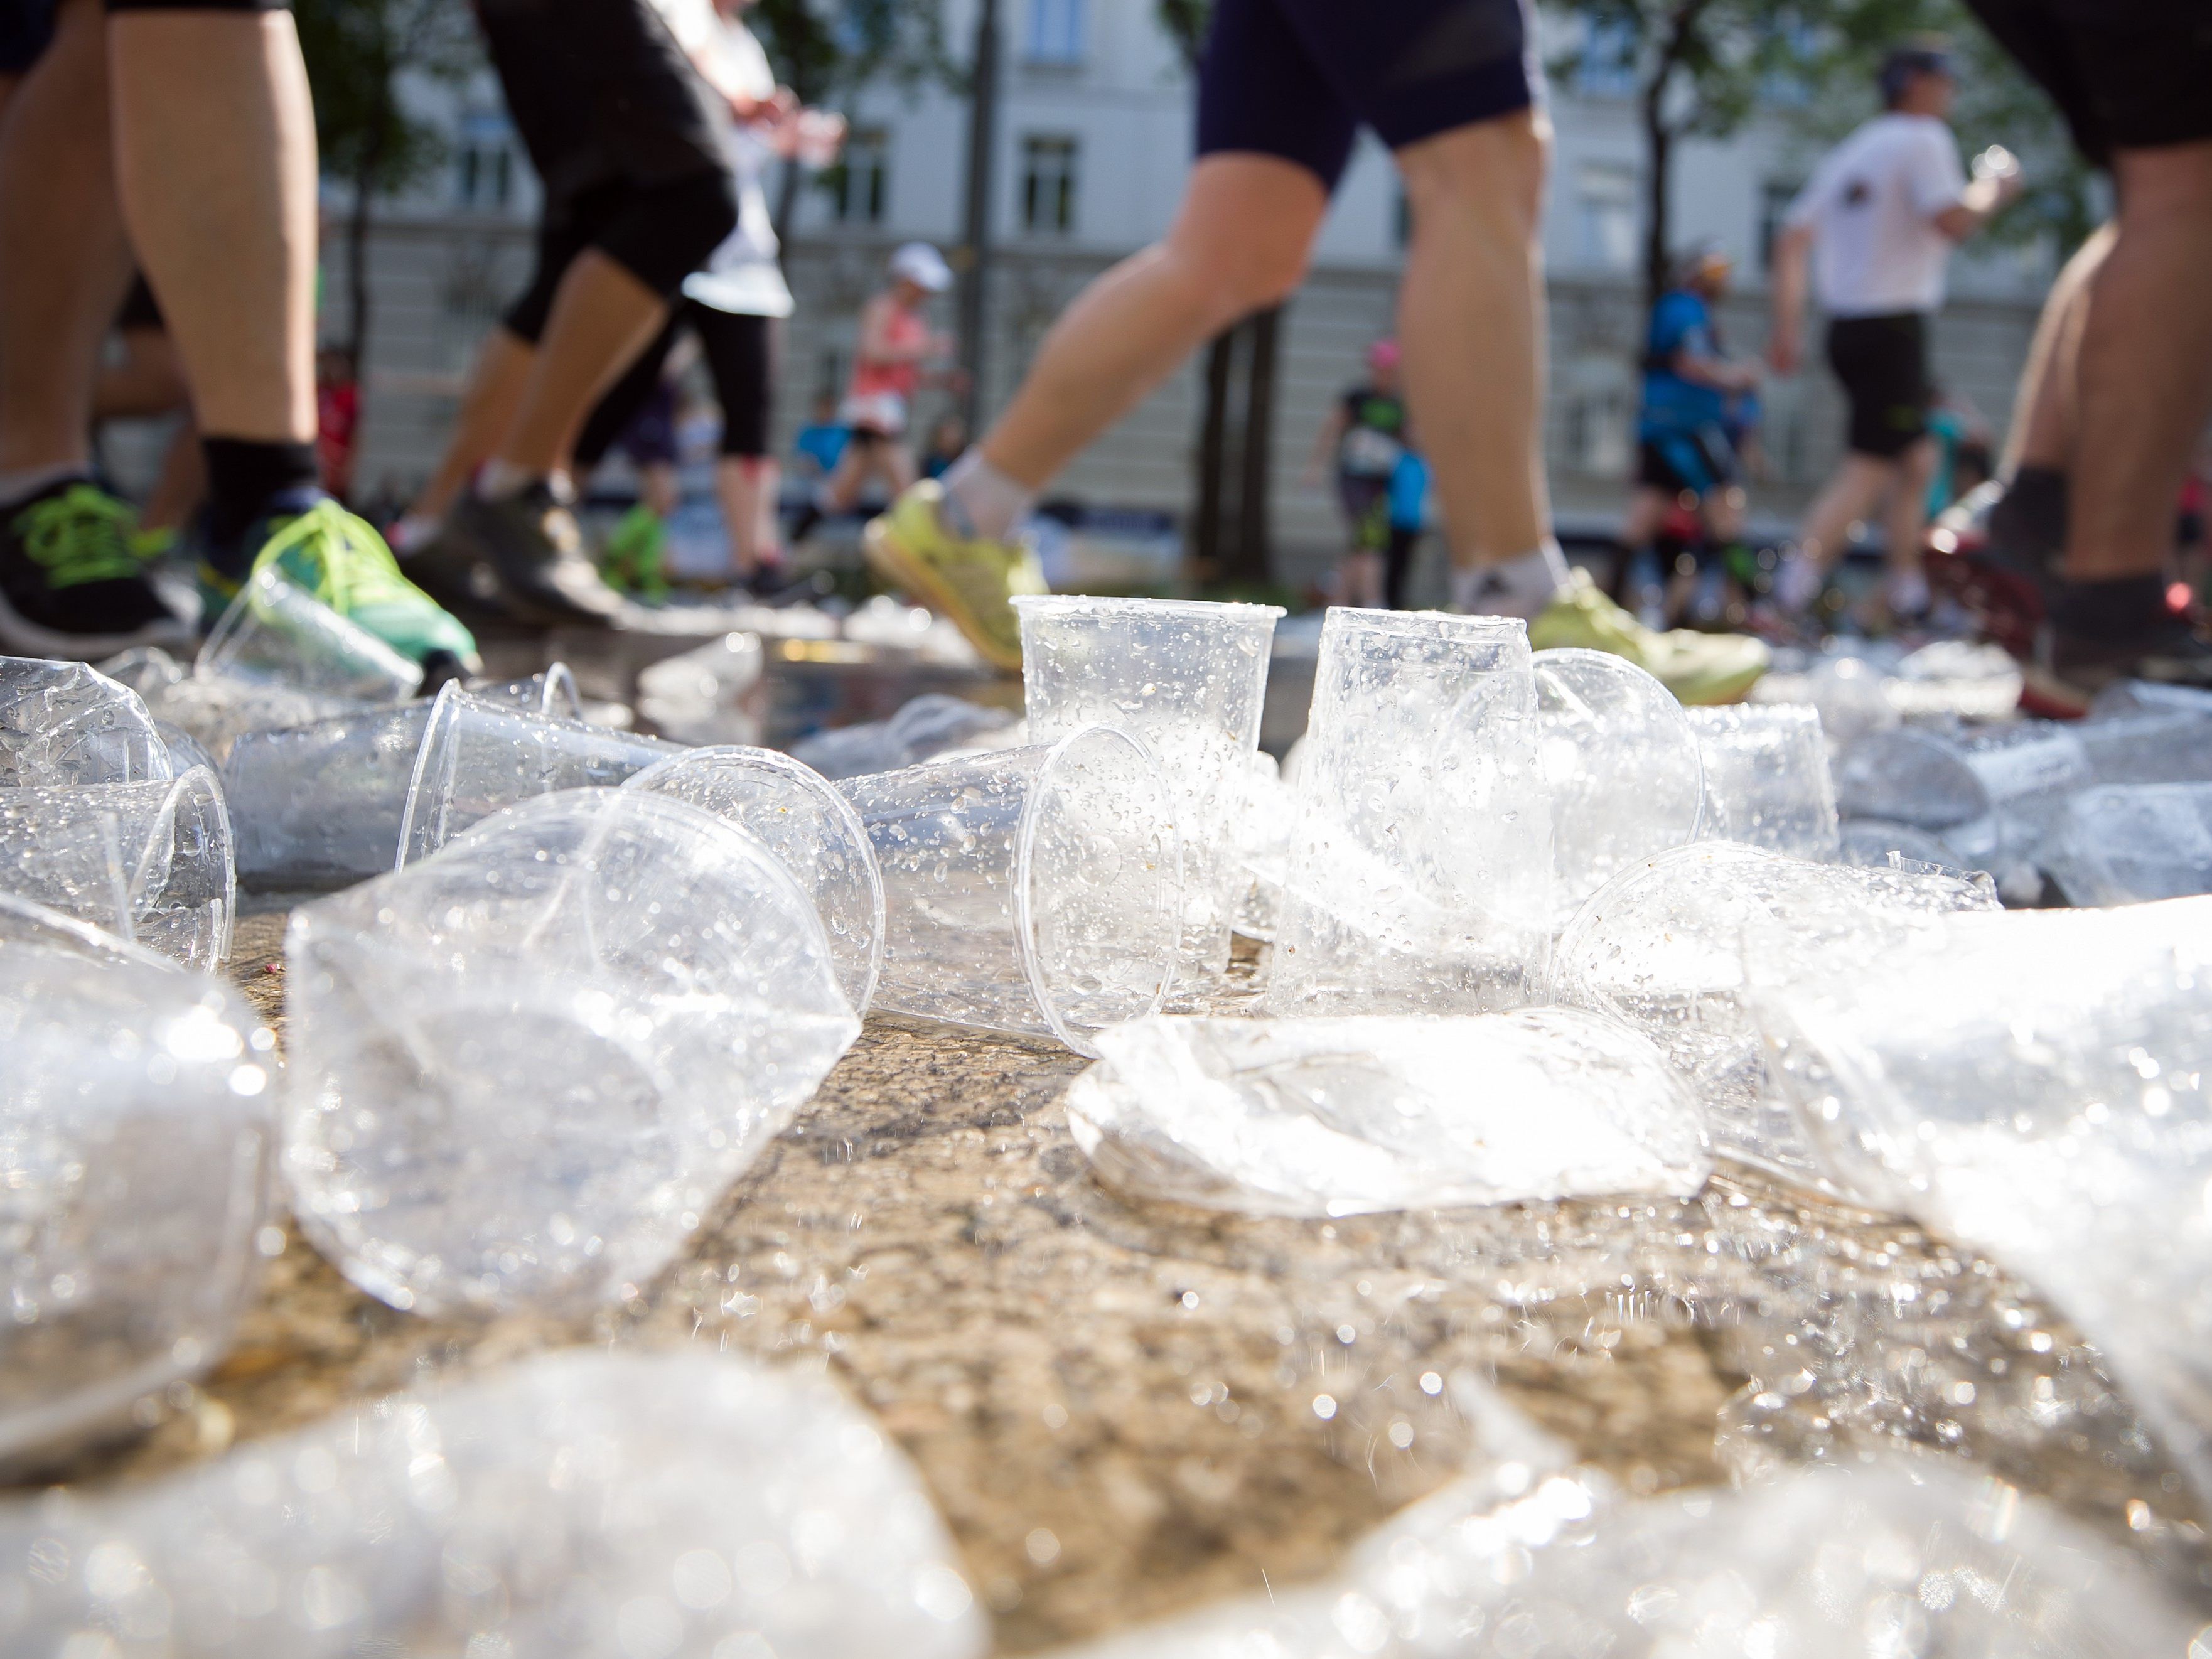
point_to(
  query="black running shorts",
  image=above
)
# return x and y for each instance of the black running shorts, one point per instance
(740, 354)
(26, 29)
(1883, 364)
(1295, 78)
(2126, 74)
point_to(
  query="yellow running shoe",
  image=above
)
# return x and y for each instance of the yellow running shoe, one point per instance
(1698, 668)
(971, 582)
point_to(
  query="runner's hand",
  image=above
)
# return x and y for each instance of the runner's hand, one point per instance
(1782, 352)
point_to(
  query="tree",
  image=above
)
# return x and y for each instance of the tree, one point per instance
(360, 56)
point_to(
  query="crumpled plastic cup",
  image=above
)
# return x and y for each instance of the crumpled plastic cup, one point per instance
(1663, 947)
(1621, 764)
(1352, 1115)
(810, 828)
(1767, 782)
(276, 632)
(2130, 842)
(1420, 878)
(2033, 1083)
(1035, 891)
(136, 1117)
(577, 1504)
(522, 1069)
(320, 805)
(706, 695)
(479, 755)
(924, 728)
(150, 862)
(1186, 679)
(65, 723)
(1990, 794)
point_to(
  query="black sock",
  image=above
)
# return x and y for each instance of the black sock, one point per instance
(2112, 613)
(244, 479)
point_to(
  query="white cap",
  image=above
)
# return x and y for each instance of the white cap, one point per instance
(922, 265)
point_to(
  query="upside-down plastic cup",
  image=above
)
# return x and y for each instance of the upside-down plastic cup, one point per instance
(275, 631)
(1991, 795)
(479, 755)
(1033, 891)
(320, 805)
(1419, 878)
(1767, 782)
(810, 828)
(1621, 764)
(1185, 678)
(135, 1111)
(65, 723)
(521, 1069)
(150, 862)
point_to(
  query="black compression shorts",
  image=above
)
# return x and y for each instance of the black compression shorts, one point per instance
(26, 29)
(2126, 74)
(740, 354)
(1295, 78)
(199, 5)
(1883, 364)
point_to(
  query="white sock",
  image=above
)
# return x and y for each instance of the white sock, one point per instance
(498, 480)
(1798, 582)
(413, 532)
(1519, 587)
(1908, 594)
(16, 487)
(981, 502)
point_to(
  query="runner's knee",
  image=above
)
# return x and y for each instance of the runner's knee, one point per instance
(1494, 169)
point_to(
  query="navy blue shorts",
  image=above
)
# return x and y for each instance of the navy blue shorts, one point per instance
(26, 28)
(1295, 78)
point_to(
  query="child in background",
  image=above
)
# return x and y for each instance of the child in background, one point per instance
(1409, 499)
(1366, 433)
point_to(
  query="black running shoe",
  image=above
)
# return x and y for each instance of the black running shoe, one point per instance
(2069, 669)
(525, 556)
(70, 585)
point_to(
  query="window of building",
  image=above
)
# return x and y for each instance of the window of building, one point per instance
(1048, 182)
(1605, 213)
(483, 161)
(860, 182)
(1606, 67)
(1055, 32)
(1775, 197)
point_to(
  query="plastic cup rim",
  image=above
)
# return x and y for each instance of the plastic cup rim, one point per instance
(847, 818)
(1044, 604)
(1024, 910)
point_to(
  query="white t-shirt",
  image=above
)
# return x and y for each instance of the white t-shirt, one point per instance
(1872, 204)
(742, 274)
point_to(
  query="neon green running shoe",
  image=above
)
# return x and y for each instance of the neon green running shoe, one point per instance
(1698, 668)
(340, 559)
(634, 560)
(971, 582)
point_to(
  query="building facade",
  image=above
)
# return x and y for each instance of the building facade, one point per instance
(1093, 141)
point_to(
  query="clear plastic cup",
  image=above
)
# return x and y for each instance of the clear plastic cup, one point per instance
(216, 710)
(479, 755)
(1990, 794)
(1663, 946)
(1035, 891)
(2033, 1083)
(65, 723)
(2128, 843)
(793, 809)
(1419, 879)
(135, 1117)
(1621, 764)
(276, 632)
(1185, 678)
(150, 862)
(522, 1069)
(711, 695)
(551, 691)
(1767, 782)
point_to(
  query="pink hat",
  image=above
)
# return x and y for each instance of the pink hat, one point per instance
(1383, 354)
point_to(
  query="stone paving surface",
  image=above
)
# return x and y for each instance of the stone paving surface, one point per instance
(1126, 1411)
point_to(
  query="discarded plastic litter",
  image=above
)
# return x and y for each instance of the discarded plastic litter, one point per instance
(1990, 794)
(277, 633)
(1621, 765)
(706, 695)
(478, 755)
(150, 862)
(135, 1119)
(2128, 843)
(1662, 947)
(1329, 1117)
(1185, 678)
(1419, 880)
(1038, 890)
(522, 1069)
(924, 728)
(810, 828)
(63, 723)
(1767, 778)
(577, 1504)
(1868, 843)
(2034, 1085)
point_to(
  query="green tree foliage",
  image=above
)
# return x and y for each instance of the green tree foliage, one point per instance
(360, 56)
